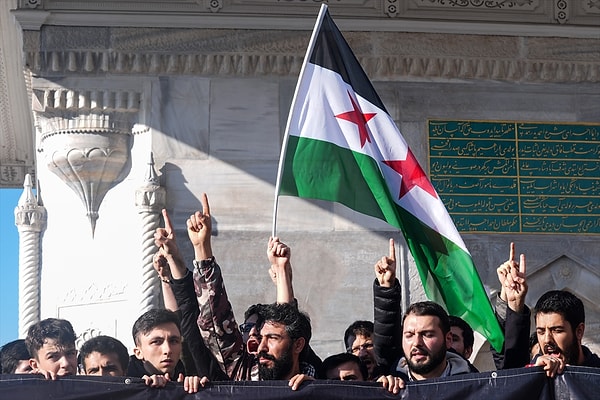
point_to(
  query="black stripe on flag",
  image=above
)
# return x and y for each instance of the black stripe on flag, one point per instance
(331, 51)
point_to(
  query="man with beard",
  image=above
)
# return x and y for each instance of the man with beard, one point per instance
(426, 338)
(421, 342)
(202, 298)
(559, 317)
(560, 324)
(285, 334)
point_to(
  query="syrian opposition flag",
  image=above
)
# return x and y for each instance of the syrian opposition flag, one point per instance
(341, 145)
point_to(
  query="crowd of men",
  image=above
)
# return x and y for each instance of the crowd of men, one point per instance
(196, 338)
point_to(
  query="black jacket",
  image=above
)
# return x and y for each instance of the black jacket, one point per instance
(591, 359)
(516, 326)
(204, 361)
(387, 329)
(136, 369)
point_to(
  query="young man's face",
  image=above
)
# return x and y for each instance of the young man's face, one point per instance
(362, 347)
(458, 342)
(557, 337)
(160, 349)
(348, 371)
(58, 360)
(99, 364)
(424, 346)
(277, 352)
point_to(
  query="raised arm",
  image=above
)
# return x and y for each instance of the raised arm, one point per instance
(512, 313)
(279, 255)
(205, 362)
(182, 289)
(387, 333)
(216, 319)
(161, 266)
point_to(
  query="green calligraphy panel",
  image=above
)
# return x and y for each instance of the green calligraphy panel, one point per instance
(511, 176)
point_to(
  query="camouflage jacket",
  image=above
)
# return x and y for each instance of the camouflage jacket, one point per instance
(217, 322)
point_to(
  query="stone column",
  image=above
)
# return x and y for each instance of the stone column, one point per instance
(150, 199)
(30, 218)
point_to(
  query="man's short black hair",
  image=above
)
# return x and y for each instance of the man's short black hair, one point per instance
(105, 345)
(297, 323)
(11, 354)
(60, 330)
(564, 303)
(336, 360)
(253, 309)
(362, 328)
(429, 308)
(150, 320)
(468, 335)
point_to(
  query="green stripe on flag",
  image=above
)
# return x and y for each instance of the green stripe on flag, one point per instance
(322, 170)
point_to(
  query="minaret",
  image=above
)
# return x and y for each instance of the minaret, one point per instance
(150, 199)
(30, 218)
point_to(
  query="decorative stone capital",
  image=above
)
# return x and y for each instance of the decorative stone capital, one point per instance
(86, 139)
(29, 215)
(150, 197)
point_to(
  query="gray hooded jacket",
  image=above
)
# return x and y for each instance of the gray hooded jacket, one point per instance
(456, 366)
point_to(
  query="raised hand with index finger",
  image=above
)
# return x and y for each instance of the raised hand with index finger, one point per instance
(199, 228)
(385, 268)
(512, 277)
(164, 238)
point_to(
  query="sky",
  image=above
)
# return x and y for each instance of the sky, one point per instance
(9, 266)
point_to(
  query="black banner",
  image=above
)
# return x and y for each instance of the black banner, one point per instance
(577, 383)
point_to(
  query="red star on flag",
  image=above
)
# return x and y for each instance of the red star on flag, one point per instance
(412, 175)
(357, 117)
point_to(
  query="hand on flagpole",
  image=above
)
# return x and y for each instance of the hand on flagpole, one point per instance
(385, 269)
(279, 255)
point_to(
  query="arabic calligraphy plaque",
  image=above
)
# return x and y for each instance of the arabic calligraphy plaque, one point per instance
(503, 176)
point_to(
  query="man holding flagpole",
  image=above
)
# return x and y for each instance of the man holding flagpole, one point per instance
(341, 145)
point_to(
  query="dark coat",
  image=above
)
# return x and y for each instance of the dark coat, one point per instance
(136, 369)
(387, 329)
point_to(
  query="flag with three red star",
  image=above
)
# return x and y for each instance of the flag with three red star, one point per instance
(341, 145)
